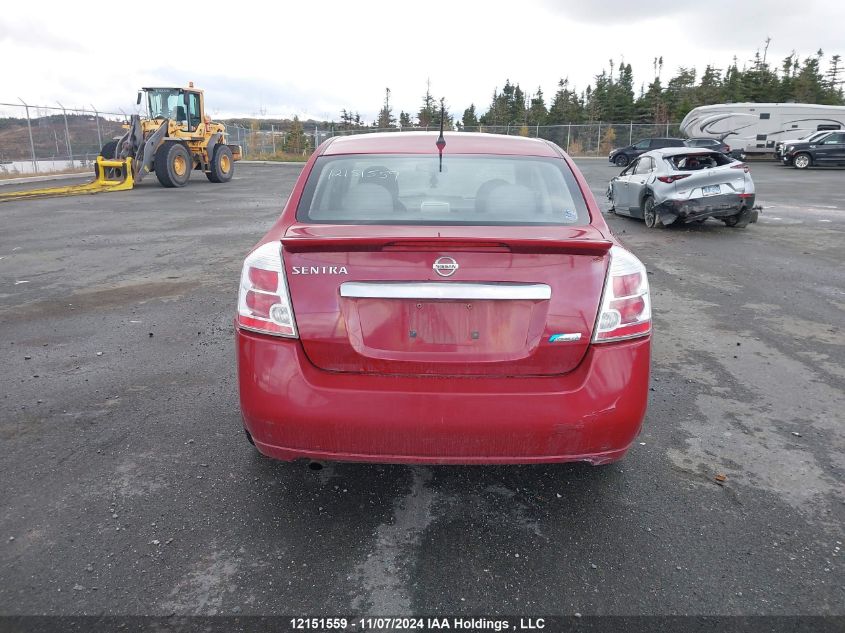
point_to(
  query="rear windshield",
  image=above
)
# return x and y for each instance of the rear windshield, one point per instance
(693, 162)
(470, 190)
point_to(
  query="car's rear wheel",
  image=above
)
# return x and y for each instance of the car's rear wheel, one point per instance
(649, 214)
(802, 161)
(738, 221)
(252, 441)
(621, 160)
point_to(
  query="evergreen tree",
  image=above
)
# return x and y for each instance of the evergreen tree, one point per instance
(345, 120)
(516, 106)
(760, 83)
(405, 120)
(809, 84)
(679, 95)
(296, 142)
(435, 119)
(566, 106)
(537, 112)
(385, 116)
(787, 79)
(507, 107)
(600, 97)
(651, 108)
(710, 87)
(469, 119)
(426, 114)
(732, 86)
(623, 93)
(833, 81)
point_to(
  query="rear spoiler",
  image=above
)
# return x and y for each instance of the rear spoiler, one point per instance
(394, 243)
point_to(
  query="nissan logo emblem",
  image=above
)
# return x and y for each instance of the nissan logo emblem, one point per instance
(445, 266)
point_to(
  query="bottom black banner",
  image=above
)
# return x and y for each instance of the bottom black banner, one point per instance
(463, 624)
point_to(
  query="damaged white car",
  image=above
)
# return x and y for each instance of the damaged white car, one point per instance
(677, 184)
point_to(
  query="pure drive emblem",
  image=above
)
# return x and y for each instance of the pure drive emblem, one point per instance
(445, 266)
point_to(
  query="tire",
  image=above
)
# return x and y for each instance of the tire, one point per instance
(621, 160)
(738, 221)
(802, 161)
(108, 151)
(650, 215)
(249, 437)
(222, 165)
(173, 164)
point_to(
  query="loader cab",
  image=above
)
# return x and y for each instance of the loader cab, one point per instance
(178, 104)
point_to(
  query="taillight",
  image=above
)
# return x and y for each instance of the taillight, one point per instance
(263, 300)
(671, 179)
(742, 166)
(625, 304)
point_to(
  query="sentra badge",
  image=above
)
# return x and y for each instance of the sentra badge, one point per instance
(319, 270)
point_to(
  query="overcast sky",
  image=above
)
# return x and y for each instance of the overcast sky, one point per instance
(312, 59)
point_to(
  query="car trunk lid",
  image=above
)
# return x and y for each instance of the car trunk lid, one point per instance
(370, 299)
(722, 180)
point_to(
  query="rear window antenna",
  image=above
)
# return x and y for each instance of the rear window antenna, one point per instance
(441, 142)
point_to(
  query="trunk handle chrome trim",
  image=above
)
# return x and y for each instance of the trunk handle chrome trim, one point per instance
(445, 290)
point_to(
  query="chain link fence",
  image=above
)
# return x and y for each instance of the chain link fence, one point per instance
(578, 139)
(49, 139)
(36, 139)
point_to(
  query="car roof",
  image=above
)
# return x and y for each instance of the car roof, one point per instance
(674, 151)
(424, 143)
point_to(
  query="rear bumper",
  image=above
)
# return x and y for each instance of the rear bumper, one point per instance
(706, 207)
(293, 410)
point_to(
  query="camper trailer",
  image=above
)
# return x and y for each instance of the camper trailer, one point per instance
(755, 128)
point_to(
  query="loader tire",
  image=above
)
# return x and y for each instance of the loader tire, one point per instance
(173, 164)
(108, 151)
(222, 165)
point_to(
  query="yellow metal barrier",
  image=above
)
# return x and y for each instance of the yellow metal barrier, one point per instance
(112, 175)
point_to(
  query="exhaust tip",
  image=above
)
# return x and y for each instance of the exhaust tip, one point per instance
(315, 466)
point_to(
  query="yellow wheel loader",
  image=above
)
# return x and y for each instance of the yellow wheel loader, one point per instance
(174, 139)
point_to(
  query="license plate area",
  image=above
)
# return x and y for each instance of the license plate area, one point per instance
(444, 323)
(426, 329)
(711, 190)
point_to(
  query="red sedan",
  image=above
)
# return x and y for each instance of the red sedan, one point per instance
(454, 300)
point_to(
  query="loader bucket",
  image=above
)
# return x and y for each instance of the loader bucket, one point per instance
(112, 175)
(112, 172)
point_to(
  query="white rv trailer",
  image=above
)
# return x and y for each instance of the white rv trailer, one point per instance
(755, 128)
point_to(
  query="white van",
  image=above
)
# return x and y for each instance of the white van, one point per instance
(755, 128)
